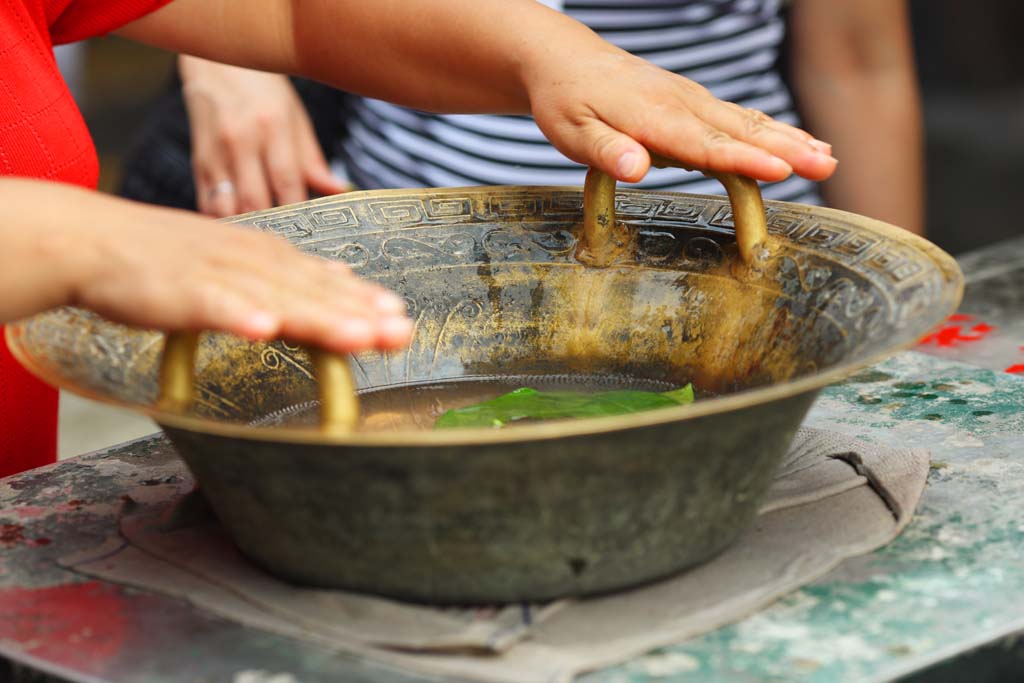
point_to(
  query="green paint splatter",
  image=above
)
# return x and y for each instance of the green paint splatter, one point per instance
(868, 376)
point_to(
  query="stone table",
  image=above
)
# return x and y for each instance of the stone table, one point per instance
(944, 602)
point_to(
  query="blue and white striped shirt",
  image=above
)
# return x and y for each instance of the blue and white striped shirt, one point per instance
(729, 46)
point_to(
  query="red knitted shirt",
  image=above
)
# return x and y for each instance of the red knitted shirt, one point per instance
(42, 135)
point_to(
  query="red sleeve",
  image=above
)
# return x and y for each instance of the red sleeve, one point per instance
(28, 417)
(79, 19)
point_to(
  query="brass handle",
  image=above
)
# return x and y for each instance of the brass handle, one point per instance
(339, 407)
(599, 236)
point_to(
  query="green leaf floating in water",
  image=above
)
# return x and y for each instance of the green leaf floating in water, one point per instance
(530, 404)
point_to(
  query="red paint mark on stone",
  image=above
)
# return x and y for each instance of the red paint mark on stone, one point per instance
(31, 511)
(1017, 369)
(81, 625)
(11, 534)
(953, 335)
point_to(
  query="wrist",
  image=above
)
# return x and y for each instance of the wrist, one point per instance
(550, 69)
(189, 67)
(200, 75)
(73, 249)
(48, 245)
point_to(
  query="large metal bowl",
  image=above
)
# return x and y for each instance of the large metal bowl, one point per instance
(492, 279)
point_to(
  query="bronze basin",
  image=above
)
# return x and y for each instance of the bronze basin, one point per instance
(502, 296)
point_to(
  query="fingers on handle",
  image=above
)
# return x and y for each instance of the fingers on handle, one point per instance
(724, 153)
(806, 156)
(699, 145)
(219, 306)
(595, 143)
(691, 141)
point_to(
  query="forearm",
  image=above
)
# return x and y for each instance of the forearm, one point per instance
(439, 55)
(443, 55)
(856, 85)
(597, 104)
(41, 257)
(874, 127)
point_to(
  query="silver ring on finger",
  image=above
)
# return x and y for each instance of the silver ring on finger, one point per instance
(221, 187)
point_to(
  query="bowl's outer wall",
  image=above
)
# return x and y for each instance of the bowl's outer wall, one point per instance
(508, 522)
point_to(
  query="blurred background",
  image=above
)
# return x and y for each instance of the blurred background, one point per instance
(971, 65)
(971, 68)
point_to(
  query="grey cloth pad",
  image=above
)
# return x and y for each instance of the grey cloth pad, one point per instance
(834, 497)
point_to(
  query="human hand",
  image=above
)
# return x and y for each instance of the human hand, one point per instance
(174, 270)
(609, 109)
(253, 145)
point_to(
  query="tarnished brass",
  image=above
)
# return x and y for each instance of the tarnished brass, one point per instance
(339, 407)
(748, 217)
(603, 238)
(177, 367)
(599, 247)
(496, 289)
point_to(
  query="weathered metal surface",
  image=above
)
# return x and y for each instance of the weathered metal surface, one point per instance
(503, 523)
(495, 289)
